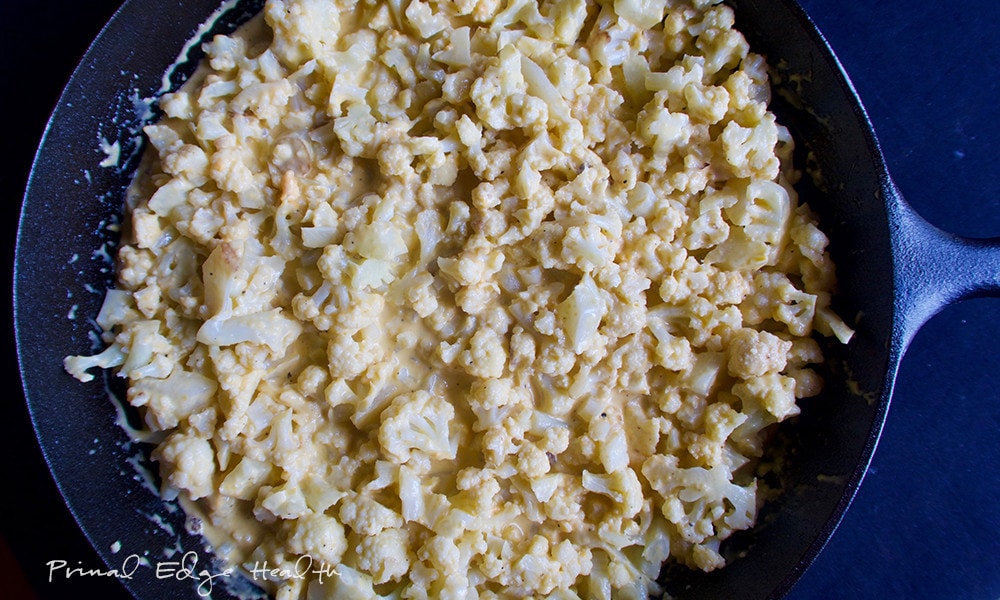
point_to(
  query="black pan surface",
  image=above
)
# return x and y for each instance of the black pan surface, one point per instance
(856, 199)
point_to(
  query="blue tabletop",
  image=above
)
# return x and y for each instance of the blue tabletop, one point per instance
(926, 522)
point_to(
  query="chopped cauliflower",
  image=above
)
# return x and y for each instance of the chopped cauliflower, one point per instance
(486, 355)
(187, 463)
(417, 422)
(320, 537)
(473, 299)
(364, 515)
(755, 353)
(385, 555)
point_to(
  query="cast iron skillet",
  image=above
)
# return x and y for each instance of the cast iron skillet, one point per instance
(895, 272)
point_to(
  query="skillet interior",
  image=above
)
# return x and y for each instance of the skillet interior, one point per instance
(831, 443)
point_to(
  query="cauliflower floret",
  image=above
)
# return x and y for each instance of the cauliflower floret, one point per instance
(774, 392)
(702, 503)
(246, 479)
(303, 29)
(749, 151)
(754, 353)
(238, 380)
(613, 451)
(569, 17)
(500, 82)
(550, 101)
(720, 421)
(447, 559)
(385, 555)
(723, 46)
(148, 353)
(492, 400)
(532, 462)
(319, 537)
(672, 352)
(622, 486)
(77, 366)
(422, 18)
(555, 438)
(643, 13)
(505, 438)
(286, 501)
(265, 100)
(271, 328)
(171, 400)
(421, 295)
(774, 296)
(187, 462)
(355, 130)
(459, 53)
(616, 574)
(708, 103)
(146, 228)
(664, 130)
(545, 567)
(477, 263)
(481, 488)
(707, 231)
(229, 170)
(417, 421)
(582, 312)
(480, 10)
(617, 531)
(350, 355)
(118, 308)
(224, 53)
(763, 212)
(561, 496)
(630, 364)
(486, 356)
(366, 516)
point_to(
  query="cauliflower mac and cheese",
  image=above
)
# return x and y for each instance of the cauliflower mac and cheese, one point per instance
(471, 299)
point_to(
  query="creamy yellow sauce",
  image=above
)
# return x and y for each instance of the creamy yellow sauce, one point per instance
(469, 299)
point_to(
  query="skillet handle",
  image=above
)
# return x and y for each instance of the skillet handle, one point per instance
(933, 268)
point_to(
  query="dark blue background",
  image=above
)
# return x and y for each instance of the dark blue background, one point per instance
(926, 523)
